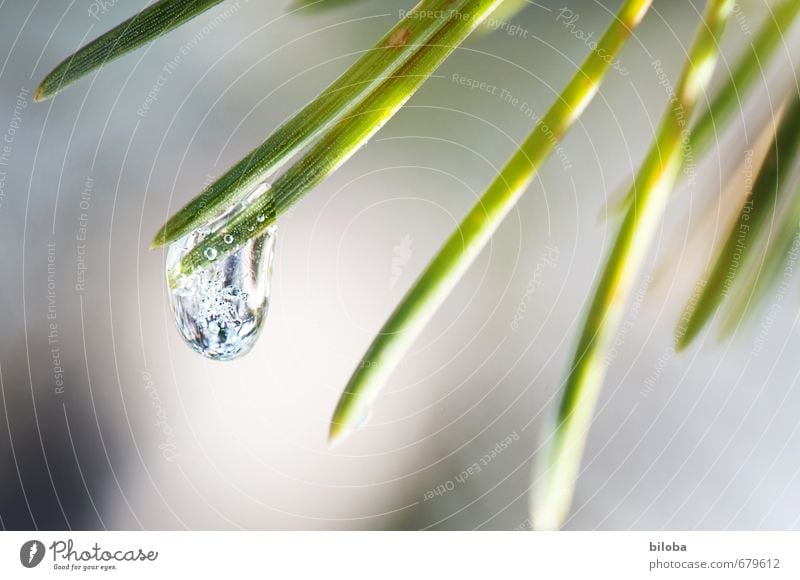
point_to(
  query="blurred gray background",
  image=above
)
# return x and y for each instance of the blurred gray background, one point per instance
(109, 421)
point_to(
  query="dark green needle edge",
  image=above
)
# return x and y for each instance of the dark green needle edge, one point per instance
(749, 226)
(147, 25)
(386, 56)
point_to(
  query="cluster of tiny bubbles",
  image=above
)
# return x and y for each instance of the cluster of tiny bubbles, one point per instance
(220, 309)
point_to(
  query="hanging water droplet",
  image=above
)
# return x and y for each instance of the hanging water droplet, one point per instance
(220, 309)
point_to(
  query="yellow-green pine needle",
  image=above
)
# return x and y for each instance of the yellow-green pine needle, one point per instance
(747, 70)
(463, 246)
(728, 98)
(501, 17)
(779, 250)
(751, 227)
(392, 50)
(147, 25)
(343, 139)
(558, 470)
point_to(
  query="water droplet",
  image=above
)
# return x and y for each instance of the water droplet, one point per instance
(210, 253)
(228, 239)
(220, 309)
(261, 217)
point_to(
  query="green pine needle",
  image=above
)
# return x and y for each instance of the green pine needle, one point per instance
(728, 98)
(747, 71)
(558, 470)
(395, 48)
(464, 245)
(337, 145)
(778, 252)
(752, 225)
(504, 13)
(147, 25)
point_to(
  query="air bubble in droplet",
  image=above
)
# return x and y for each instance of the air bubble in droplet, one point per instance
(220, 309)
